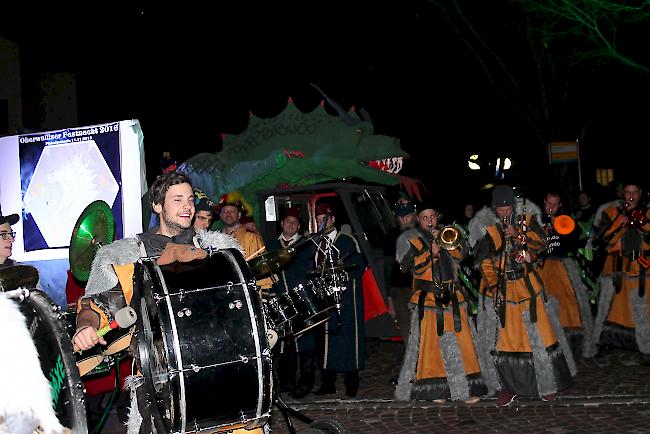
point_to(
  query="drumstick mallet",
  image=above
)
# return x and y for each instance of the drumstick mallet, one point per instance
(260, 250)
(124, 318)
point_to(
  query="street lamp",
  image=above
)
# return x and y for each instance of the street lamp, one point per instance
(472, 162)
(507, 164)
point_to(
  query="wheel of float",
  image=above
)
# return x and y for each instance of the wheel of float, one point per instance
(329, 426)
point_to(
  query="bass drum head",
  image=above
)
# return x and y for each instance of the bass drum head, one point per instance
(51, 333)
(202, 345)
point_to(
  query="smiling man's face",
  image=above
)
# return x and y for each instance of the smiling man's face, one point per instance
(177, 212)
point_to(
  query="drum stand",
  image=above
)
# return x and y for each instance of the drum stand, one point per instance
(327, 425)
(289, 412)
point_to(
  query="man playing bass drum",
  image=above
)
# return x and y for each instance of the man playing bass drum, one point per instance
(110, 285)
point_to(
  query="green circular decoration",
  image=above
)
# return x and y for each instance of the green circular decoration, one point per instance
(95, 227)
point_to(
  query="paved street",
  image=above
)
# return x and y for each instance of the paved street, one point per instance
(611, 394)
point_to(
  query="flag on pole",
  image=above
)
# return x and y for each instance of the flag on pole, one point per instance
(563, 152)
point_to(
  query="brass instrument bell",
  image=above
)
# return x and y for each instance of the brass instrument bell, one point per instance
(450, 237)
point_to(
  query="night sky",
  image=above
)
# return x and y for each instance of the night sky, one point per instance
(191, 72)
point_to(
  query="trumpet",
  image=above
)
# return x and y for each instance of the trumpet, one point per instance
(450, 237)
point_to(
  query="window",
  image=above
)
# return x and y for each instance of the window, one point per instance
(374, 214)
(604, 176)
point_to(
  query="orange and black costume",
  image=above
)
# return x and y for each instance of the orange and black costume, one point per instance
(441, 360)
(624, 305)
(561, 279)
(521, 342)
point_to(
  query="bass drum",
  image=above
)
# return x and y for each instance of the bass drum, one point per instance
(202, 345)
(51, 333)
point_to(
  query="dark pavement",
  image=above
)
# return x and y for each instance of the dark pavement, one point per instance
(611, 394)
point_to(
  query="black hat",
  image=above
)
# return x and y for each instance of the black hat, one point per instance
(12, 219)
(421, 207)
(202, 202)
(404, 208)
(503, 195)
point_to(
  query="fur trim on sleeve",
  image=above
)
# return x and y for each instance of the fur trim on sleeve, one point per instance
(477, 225)
(217, 240)
(402, 245)
(102, 276)
(598, 215)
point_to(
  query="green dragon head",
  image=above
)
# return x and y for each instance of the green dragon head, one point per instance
(296, 148)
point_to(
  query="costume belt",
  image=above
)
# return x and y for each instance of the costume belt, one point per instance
(517, 274)
(531, 291)
(617, 275)
(636, 254)
(440, 292)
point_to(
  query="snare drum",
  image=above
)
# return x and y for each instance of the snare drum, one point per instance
(278, 311)
(201, 344)
(51, 333)
(313, 306)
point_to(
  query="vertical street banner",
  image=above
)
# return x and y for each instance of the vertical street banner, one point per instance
(63, 171)
(50, 177)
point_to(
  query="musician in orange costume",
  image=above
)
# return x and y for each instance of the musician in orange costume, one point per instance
(440, 361)
(623, 305)
(520, 338)
(230, 213)
(561, 277)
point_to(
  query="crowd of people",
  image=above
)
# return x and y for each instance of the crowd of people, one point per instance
(536, 296)
(517, 333)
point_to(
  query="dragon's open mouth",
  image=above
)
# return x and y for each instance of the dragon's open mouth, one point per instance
(390, 165)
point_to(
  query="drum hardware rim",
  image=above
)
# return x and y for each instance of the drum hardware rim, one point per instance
(160, 370)
(196, 368)
(41, 306)
(213, 427)
(177, 348)
(163, 318)
(183, 292)
(255, 332)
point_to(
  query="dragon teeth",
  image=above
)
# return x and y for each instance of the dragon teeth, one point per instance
(390, 165)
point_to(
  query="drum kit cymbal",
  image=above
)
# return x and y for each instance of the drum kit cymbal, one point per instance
(270, 262)
(94, 228)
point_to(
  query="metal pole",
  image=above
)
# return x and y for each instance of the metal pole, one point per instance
(579, 168)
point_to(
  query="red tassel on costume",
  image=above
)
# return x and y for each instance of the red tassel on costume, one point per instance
(373, 302)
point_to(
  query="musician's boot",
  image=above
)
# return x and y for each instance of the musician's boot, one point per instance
(307, 373)
(352, 383)
(329, 383)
